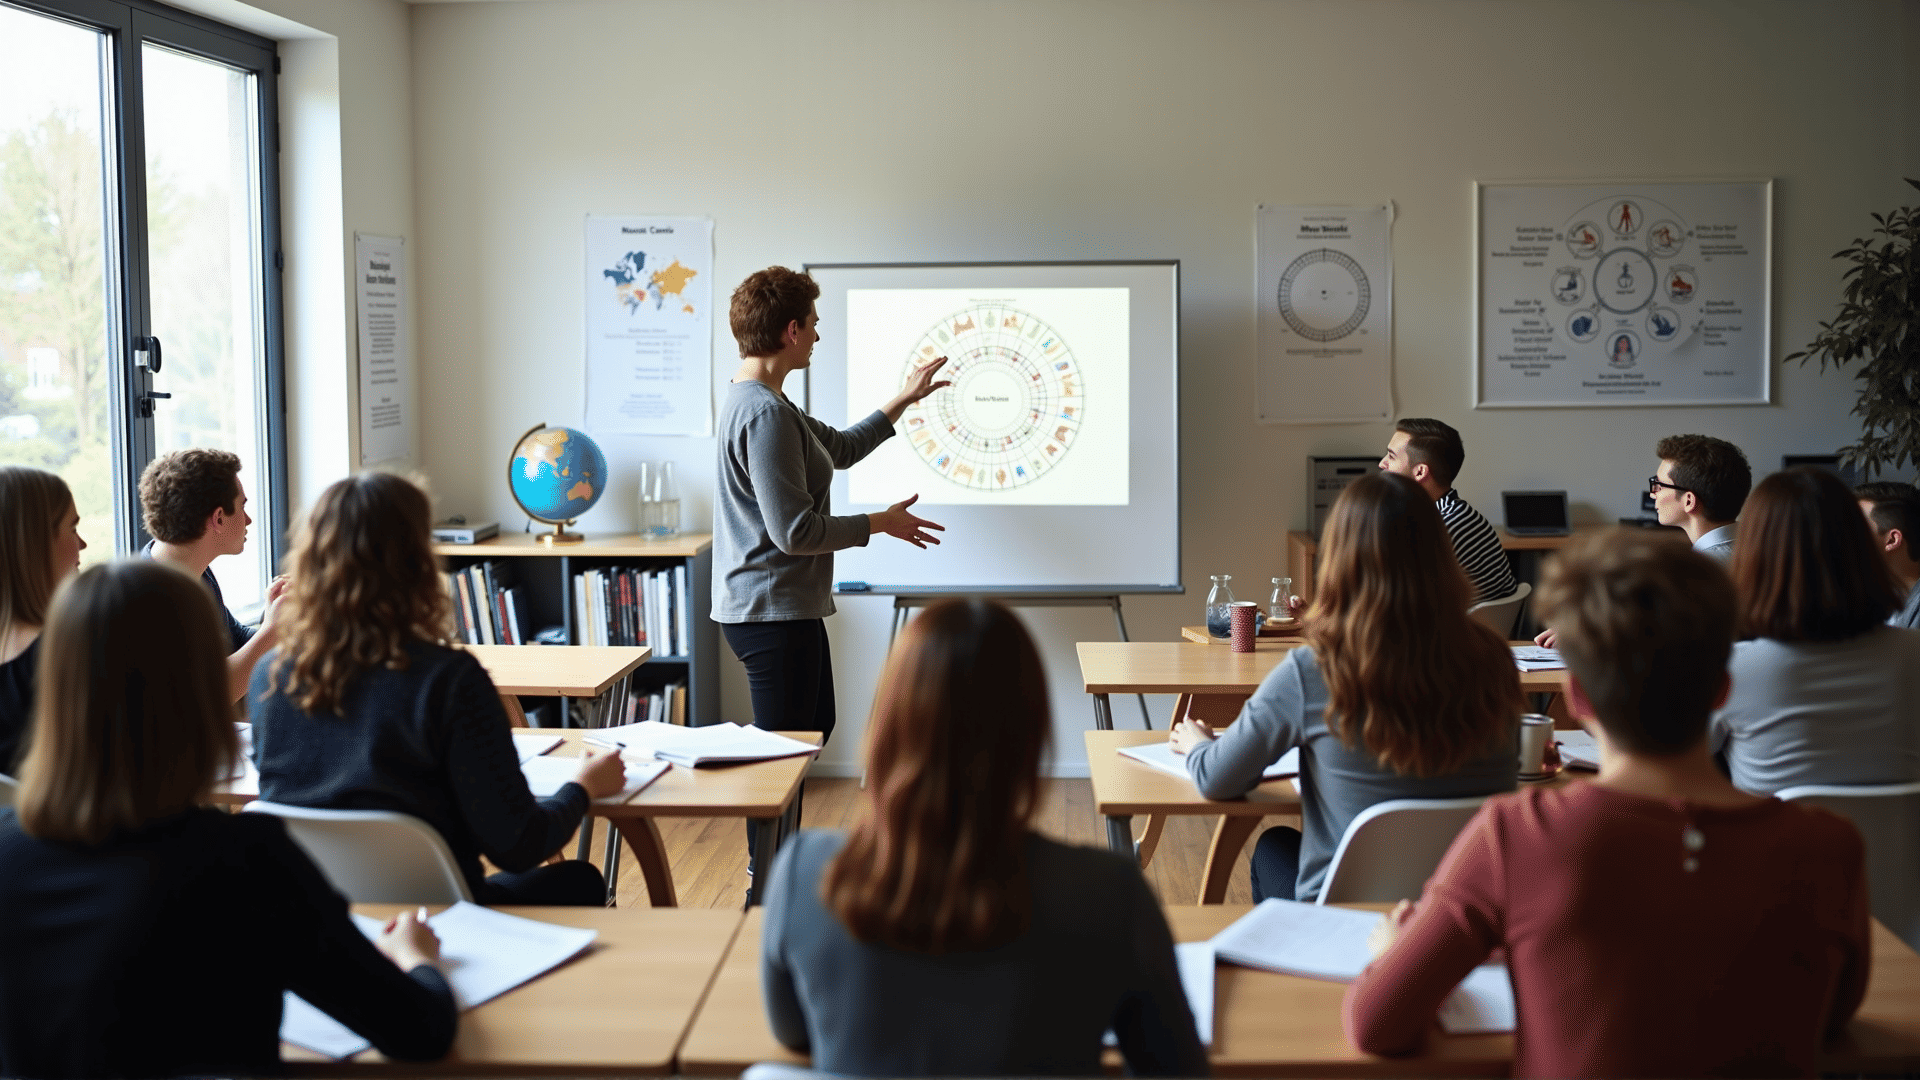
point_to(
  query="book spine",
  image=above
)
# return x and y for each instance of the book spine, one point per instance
(580, 609)
(683, 618)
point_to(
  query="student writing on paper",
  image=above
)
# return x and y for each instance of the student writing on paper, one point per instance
(364, 705)
(1823, 692)
(142, 934)
(944, 937)
(1657, 920)
(40, 544)
(1398, 693)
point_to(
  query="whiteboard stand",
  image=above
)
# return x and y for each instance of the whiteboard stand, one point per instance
(903, 603)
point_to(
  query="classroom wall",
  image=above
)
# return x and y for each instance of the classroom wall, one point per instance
(949, 130)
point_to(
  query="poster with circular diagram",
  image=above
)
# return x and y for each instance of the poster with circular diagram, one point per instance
(1324, 276)
(1037, 413)
(1624, 294)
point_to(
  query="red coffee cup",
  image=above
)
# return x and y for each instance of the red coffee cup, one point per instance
(1242, 615)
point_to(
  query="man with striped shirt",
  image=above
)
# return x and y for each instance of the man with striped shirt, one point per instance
(1430, 453)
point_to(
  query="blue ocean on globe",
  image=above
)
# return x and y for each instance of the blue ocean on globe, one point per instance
(558, 474)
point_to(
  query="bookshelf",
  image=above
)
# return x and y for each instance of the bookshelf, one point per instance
(544, 575)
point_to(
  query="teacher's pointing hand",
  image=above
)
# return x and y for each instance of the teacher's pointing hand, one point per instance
(895, 521)
(919, 385)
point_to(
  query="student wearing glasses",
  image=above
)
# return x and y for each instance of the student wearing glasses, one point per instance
(1699, 487)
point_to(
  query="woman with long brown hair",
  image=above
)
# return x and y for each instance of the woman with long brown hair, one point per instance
(942, 936)
(365, 706)
(40, 544)
(1397, 693)
(146, 934)
(1824, 692)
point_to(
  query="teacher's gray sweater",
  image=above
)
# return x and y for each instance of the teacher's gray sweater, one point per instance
(773, 539)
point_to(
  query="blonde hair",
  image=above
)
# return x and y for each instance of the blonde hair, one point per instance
(364, 584)
(32, 503)
(132, 720)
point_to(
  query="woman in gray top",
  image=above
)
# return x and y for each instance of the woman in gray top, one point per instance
(941, 936)
(1823, 692)
(1398, 693)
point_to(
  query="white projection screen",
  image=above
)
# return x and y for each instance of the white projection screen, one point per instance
(1053, 460)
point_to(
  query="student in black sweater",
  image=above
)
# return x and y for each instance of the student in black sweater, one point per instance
(363, 705)
(39, 545)
(142, 934)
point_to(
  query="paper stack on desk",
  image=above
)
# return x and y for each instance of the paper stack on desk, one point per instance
(1160, 755)
(1330, 943)
(546, 775)
(1578, 750)
(530, 746)
(710, 745)
(1535, 658)
(483, 953)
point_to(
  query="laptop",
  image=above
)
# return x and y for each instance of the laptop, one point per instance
(1536, 513)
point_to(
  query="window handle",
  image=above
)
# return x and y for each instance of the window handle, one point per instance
(147, 399)
(146, 353)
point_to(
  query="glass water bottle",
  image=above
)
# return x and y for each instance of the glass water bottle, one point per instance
(1219, 599)
(1282, 588)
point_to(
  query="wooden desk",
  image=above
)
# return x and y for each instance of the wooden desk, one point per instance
(558, 670)
(1303, 551)
(1267, 1024)
(623, 1008)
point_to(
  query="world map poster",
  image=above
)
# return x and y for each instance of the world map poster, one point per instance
(649, 306)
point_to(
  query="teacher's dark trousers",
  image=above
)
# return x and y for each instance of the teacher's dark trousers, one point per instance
(790, 680)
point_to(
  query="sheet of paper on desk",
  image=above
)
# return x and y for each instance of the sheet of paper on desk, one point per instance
(547, 775)
(712, 744)
(1196, 962)
(1578, 749)
(1535, 658)
(532, 746)
(1160, 755)
(303, 1024)
(1482, 1004)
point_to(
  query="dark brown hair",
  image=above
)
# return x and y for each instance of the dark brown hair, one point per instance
(764, 306)
(1646, 624)
(1894, 505)
(32, 504)
(132, 718)
(1713, 469)
(363, 584)
(1413, 678)
(1806, 567)
(181, 490)
(1436, 445)
(938, 863)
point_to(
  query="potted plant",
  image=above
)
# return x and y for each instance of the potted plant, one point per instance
(1879, 323)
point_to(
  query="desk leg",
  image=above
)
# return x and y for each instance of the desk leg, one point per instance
(1120, 835)
(643, 837)
(766, 845)
(585, 847)
(1229, 837)
(1150, 839)
(1102, 712)
(611, 864)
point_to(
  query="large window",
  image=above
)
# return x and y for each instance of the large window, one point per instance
(139, 240)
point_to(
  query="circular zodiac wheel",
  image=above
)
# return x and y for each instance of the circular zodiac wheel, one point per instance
(1015, 406)
(1324, 295)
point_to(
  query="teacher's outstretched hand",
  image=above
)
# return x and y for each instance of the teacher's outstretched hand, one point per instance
(895, 521)
(919, 385)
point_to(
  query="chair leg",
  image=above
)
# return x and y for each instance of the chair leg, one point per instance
(516, 716)
(650, 853)
(1229, 838)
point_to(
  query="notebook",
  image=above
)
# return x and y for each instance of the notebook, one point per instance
(1536, 513)
(1160, 756)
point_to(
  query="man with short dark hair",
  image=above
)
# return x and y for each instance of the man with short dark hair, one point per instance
(1430, 453)
(1893, 509)
(196, 508)
(1699, 487)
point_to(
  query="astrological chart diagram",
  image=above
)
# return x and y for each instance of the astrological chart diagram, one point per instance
(1016, 405)
(1324, 295)
(1626, 291)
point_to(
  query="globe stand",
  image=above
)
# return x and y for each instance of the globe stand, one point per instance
(559, 535)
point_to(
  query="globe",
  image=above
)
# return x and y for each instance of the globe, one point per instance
(557, 474)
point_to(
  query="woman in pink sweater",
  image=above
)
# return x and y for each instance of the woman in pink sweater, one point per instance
(1657, 921)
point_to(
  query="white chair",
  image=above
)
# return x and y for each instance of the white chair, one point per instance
(776, 1070)
(1500, 614)
(1391, 848)
(375, 856)
(7, 787)
(1888, 816)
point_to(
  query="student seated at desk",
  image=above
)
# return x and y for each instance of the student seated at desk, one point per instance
(1429, 452)
(942, 936)
(364, 706)
(1398, 693)
(1893, 509)
(142, 933)
(1657, 921)
(1824, 692)
(39, 545)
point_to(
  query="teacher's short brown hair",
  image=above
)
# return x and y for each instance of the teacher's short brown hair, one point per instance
(766, 304)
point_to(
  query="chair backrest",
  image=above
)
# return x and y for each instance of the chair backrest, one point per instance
(1391, 848)
(1888, 816)
(1501, 613)
(779, 1070)
(7, 787)
(375, 856)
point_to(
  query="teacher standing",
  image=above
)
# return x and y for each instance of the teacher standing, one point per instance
(773, 536)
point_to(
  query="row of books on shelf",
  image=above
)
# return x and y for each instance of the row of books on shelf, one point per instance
(666, 704)
(486, 610)
(626, 605)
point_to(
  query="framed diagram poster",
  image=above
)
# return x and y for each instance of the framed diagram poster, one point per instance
(1623, 294)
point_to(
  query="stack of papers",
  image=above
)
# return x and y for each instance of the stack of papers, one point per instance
(1578, 749)
(483, 953)
(1535, 658)
(1330, 943)
(1161, 756)
(546, 775)
(532, 746)
(713, 744)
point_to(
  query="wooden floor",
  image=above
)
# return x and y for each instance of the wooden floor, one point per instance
(709, 856)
